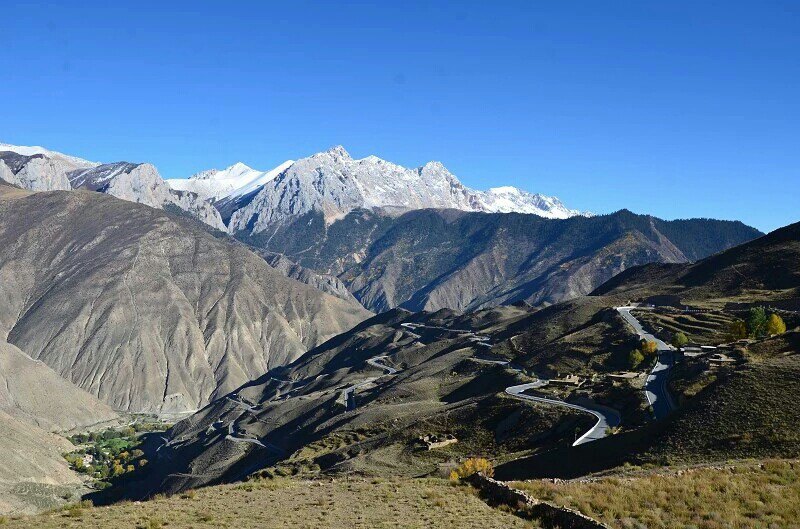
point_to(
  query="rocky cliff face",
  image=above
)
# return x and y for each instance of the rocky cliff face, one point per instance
(35, 172)
(145, 311)
(141, 183)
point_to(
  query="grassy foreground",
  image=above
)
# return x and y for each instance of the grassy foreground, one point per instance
(744, 496)
(349, 503)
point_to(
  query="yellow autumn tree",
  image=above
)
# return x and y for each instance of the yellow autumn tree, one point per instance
(649, 348)
(471, 466)
(775, 325)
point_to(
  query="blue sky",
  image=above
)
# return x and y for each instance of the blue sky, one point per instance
(679, 109)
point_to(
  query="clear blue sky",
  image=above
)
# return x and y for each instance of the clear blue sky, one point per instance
(679, 109)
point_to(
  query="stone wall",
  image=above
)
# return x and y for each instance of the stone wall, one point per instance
(497, 492)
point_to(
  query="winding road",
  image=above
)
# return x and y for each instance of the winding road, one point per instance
(606, 417)
(656, 386)
(348, 393)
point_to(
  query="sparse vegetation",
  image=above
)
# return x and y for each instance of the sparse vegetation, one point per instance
(339, 504)
(744, 496)
(737, 330)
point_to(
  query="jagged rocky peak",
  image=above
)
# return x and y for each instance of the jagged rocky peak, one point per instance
(334, 183)
(40, 169)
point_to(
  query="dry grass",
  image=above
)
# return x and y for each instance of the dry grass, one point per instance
(744, 496)
(377, 503)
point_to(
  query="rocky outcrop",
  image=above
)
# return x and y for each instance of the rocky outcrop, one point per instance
(141, 183)
(38, 169)
(145, 311)
(35, 172)
(549, 515)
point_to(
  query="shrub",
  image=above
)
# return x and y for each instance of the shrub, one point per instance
(679, 340)
(737, 330)
(635, 358)
(471, 466)
(649, 348)
(775, 325)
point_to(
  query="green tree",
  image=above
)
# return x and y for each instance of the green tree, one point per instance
(757, 322)
(679, 340)
(635, 358)
(737, 330)
(775, 325)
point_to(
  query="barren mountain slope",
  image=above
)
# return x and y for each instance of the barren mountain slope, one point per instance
(146, 310)
(430, 259)
(767, 268)
(33, 474)
(303, 417)
(32, 392)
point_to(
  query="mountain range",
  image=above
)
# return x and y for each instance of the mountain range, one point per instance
(368, 222)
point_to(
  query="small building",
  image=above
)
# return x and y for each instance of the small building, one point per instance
(569, 380)
(432, 442)
(88, 459)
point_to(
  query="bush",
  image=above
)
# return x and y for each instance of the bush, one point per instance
(649, 348)
(471, 466)
(679, 340)
(737, 330)
(635, 358)
(775, 325)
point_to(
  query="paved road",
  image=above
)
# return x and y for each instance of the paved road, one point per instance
(348, 394)
(606, 417)
(656, 386)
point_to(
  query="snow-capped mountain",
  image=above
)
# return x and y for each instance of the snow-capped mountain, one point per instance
(53, 155)
(39, 169)
(509, 199)
(334, 183)
(236, 180)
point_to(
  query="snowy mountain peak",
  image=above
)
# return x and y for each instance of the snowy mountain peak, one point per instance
(237, 180)
(333, 183)
(338, 151)
(35, 149)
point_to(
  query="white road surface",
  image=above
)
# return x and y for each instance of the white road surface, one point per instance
(656, 386)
